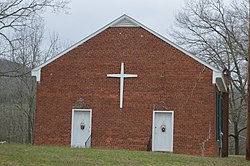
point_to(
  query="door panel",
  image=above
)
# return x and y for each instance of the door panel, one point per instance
(80, 135)
(163, 131)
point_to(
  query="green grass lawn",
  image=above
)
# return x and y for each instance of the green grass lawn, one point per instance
(15, 154)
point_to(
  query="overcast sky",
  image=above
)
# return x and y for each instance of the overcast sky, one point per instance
(87, 16)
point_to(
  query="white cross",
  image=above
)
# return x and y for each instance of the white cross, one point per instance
(122, 76)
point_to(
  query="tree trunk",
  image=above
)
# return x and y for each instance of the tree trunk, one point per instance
(236, 142)
(29, 130)
(236, 139)
(30, 126)
(248, 116)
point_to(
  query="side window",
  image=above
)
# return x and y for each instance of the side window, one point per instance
(218, 116)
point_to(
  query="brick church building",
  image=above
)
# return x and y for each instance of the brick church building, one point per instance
(127, 87)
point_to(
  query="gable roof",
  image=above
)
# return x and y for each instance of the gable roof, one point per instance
(126, 21)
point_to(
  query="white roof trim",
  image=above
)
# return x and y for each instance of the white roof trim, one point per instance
(37, 74)
(126, 21)
(219, 80)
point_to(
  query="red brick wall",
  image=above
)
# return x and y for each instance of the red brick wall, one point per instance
(164, 74)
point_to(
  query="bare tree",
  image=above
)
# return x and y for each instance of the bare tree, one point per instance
(17, 14)
(29, 53)
(218, 34)
(22, 42)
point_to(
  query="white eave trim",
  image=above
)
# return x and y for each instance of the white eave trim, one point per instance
(219, 81)
(37, 74)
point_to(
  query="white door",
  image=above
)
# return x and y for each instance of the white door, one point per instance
(162, 131)
(81, 128)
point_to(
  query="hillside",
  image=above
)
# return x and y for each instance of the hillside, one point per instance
(8, 85)
(13, 103)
